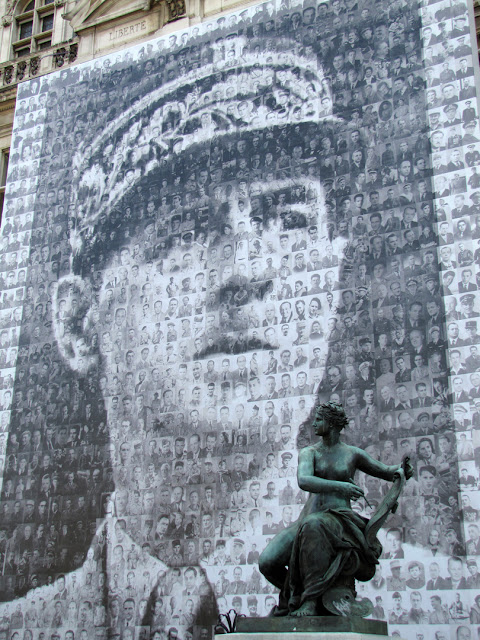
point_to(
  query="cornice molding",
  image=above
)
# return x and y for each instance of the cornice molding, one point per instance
(88, 14)
(84, 14)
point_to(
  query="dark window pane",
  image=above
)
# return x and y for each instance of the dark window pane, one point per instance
(26, 29)
(47, 23)
(24, 51)
(46, 44)
(3, 175)
(2, 198)
(48, 2)
(30, 6)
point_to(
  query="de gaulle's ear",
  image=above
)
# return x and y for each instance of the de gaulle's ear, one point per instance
(73, 323)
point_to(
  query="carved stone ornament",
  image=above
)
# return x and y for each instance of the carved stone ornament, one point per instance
(59, 57)
(10, 7)
(34, 65)
(73, 52)
(176, 9)
(59, 3)
(21, 70)
(8, 74)
(7, 20)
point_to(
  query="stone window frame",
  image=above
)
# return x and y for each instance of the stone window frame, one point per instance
(34, 20)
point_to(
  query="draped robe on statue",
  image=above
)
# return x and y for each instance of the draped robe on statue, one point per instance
(339, 534)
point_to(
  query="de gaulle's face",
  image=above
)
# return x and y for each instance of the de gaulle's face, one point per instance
(128, 321)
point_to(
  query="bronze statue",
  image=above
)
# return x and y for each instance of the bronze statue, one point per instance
(316, 560)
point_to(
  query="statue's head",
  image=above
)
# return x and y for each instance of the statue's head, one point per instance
(333, 414)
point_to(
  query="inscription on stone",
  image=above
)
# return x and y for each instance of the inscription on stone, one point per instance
(120, 33)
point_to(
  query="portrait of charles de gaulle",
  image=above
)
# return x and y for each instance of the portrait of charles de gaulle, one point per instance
(166, 177)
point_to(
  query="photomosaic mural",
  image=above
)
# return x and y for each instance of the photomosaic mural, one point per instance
(203, 234)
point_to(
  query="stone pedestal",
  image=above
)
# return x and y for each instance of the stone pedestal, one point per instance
(308, 628)
(303, 635)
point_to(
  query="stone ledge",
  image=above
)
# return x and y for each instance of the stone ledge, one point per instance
(316, 624)
(304, 635)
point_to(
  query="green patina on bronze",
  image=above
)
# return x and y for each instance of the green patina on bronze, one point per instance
(316, 560)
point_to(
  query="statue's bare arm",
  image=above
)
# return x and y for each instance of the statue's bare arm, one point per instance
(308, 481)
(373, 467)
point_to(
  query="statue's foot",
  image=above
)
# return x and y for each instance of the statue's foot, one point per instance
(342, 601)
(308, 608)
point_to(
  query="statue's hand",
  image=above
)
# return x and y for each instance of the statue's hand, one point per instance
(350, 490)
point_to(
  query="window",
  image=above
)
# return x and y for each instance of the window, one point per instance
(23, 51)
(33, 27)
(26, 29)
(4, 156)
(47, 23)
